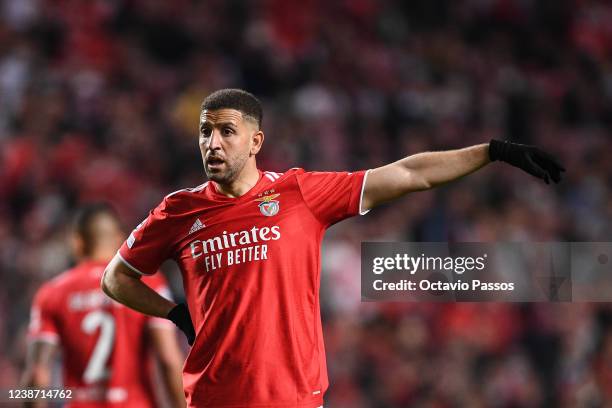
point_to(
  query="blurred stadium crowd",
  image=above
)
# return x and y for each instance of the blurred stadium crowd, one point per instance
(99, 100)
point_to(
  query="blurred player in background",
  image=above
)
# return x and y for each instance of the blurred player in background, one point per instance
(248, 245)
(107, 349)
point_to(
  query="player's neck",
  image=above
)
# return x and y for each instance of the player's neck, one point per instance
(246, 181)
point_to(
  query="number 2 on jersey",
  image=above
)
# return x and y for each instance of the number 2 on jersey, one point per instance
(97, 366)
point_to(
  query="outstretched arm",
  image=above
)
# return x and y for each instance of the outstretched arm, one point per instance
(427, 170)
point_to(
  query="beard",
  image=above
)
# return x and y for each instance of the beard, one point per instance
(229, 172)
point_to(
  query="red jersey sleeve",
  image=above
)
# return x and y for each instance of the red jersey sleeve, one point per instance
(333, 196)
(43, 318)
(150, 243)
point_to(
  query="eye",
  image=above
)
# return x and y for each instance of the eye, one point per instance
(228, 130)
(205, 131)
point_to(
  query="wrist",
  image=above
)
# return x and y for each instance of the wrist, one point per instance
(498, 149)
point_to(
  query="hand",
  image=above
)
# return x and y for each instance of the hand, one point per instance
(529, 158)
(179, 315)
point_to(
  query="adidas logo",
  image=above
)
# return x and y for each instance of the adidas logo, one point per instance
(197, 225)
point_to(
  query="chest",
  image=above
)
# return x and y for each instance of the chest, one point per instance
(247, 232)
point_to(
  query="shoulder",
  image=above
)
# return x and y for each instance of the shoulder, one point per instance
(273, 176)
(52, 289)
(185, 192)
(179, 201)
(295, 171)
(296, 175)
(300, 173)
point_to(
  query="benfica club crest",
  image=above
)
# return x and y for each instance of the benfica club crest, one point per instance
(268, 205)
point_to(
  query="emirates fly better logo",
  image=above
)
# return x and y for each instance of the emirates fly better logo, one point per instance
(268, 205)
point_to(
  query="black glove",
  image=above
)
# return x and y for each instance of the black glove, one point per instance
(529, 158)
(180, 316)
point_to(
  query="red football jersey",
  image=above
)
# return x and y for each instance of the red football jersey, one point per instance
(106, 354)
(250, 269)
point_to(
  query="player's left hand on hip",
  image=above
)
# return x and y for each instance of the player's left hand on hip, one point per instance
(529, 158)
(181, 317)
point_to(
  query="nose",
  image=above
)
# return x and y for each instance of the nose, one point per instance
(214, 142)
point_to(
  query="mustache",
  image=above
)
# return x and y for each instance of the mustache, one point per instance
(214, 157)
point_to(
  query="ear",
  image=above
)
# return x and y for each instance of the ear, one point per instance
(256, 142)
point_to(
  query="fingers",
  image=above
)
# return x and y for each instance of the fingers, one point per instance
(553, 171)
(555, 176)
(549, 158)
(549, 163)
(181, 317)
(536, 170)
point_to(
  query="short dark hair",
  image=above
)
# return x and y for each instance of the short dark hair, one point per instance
(238, 99)
(83, 223)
